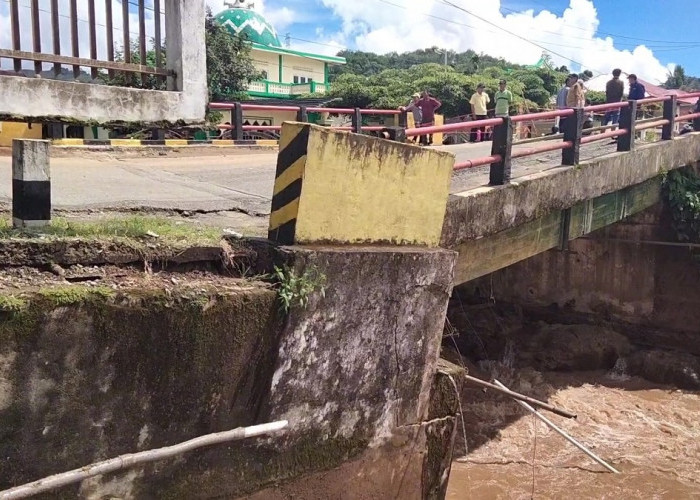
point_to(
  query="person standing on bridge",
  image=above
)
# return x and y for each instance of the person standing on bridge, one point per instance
(576, 97)
(614, 91)
(478, 102)
(428, 105)
(561, 102)
(414, 107)
(637, 90)
(503, 99)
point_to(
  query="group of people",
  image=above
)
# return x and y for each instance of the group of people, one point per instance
(572, 95)
(423, 107)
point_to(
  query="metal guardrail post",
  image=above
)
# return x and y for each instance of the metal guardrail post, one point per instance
(628, 121)
(670, 115)
(573, 131)
(403, 119)
(502, 145)
(237, 112)
(357, 121)
(302, 115)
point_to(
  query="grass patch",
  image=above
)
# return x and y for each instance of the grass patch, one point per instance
(134, 228)
(11, 303)
(70, 295)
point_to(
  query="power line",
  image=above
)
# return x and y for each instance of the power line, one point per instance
(447, 2)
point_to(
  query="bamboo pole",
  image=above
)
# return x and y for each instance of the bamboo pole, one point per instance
(131, 460)
(520, 397)
(562, 433)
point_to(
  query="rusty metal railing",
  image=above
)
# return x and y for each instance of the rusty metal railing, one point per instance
(124, 38)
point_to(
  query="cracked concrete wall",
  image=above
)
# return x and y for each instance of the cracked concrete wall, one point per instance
(358, 363)
(41, 99)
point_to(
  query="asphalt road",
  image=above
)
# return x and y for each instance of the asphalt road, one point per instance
(239, 181)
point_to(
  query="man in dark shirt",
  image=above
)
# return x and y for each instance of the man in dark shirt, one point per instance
(428, 106)
(614, 91)
(637, 90)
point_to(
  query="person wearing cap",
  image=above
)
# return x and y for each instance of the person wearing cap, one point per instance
(414, 107)
(478, 102)
(503, 99)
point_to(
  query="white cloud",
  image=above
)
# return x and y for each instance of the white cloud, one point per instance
(377, 26)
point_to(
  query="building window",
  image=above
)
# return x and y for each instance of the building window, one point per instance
(264, 75)
(302, 79)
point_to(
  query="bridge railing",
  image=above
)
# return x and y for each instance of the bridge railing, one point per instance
(238, 128)
(573, 137)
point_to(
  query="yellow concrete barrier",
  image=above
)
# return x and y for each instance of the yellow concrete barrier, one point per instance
(338, 187)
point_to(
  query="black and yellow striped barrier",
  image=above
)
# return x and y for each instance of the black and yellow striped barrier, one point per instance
(167, 143)
(342, 188)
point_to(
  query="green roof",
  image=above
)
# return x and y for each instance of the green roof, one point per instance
(280, 50)
(250, 25)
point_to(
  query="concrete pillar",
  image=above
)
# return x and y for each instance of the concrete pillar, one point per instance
(31, 183)
(187, 55)
(502, 145)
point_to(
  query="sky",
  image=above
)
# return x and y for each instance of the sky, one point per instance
(647, 37)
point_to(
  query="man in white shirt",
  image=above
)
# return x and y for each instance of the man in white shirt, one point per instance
(478, 102)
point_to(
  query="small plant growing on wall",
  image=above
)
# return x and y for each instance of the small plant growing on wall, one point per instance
(682, 190)
(295, 289)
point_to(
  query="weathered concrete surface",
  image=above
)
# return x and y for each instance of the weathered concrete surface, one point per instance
(342, 188)
(358, 365)
(89, 374)
(609, 275)
(485, 211)
(483, 256)
(42, 99)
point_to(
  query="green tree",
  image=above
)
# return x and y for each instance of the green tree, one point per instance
(676, 79)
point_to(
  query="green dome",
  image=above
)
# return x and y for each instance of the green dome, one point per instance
(249, 24)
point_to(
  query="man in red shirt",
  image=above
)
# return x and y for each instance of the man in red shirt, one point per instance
(428, 106)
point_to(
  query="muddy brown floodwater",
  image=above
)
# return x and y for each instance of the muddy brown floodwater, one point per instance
(651, 433)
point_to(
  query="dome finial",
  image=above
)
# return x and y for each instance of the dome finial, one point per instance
(240, 4)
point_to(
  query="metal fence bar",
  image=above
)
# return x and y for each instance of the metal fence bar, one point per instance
(142, 36)
(89, 63)
(56, 34)
(16, 41)
(92, 22)
(158, 42)
(36, 35)
(109, 27)
(126, 40)
(74, 35)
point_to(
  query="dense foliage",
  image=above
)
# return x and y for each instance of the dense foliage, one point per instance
(682, 189)
(388, 81)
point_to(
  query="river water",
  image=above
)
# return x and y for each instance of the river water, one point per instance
(649, 432)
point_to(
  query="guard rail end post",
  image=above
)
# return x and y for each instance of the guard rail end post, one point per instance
(502, 145)
(302, 115)
(397, 134)
(628, 121)
(237, 122)
(357, 121)
(670, 115)
(403, 119)
(573, 131)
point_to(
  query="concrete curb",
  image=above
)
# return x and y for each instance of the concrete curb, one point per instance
(166, 143)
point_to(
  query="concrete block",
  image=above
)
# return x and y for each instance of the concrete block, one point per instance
(337, 187)
(359, 360)
(31, 183)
